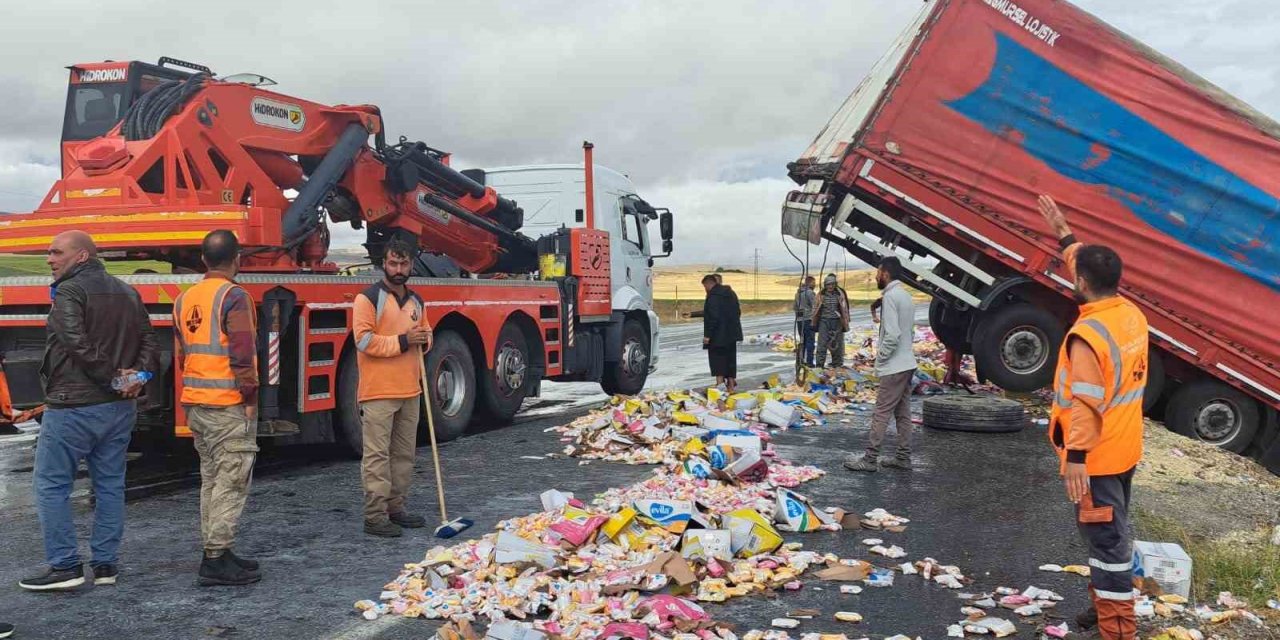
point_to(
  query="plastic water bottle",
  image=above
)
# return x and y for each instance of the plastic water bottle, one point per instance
(121, 382)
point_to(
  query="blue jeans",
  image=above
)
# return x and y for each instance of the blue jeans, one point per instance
(808, 333)
(98, 434)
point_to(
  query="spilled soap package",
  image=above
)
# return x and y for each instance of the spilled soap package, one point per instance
(707, 544)
(750, 534)
(794, 512)
(672, 515)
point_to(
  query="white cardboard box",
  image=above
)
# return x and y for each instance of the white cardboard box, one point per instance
(1165, 562)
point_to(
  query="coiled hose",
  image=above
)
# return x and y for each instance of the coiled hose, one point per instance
(148, 114)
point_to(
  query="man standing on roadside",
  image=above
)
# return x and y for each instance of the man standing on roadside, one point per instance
(98, 330)
(721, 331)
(805, 302)
(1096, 422)
(831, 319)
(392, 335)
(896, 368)
(216, 326)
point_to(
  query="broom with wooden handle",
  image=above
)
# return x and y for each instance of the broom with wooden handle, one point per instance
(448, 528)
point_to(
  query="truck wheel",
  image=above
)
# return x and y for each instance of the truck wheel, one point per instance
(1213, 412)
(451, 372)
(952, 336)
(974, 414)
(1016, 347)
(1155, 380)
(502, 388)
(349, 432)
(628, 376)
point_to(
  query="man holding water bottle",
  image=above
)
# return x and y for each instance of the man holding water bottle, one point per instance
(98, 341)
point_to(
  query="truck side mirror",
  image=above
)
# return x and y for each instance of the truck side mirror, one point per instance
(666, 246)
(665, 225)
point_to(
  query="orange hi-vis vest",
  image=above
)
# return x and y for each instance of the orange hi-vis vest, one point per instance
(207, 377)
(1116, 330)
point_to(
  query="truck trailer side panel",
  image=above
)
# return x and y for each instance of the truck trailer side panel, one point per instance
(996, 102)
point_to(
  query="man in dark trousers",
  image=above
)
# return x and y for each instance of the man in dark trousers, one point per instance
(721, 331)
(1096, 422)
(806, 300)
(831, 319)
(98, 330)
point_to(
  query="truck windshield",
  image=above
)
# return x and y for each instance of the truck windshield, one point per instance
(93, 109)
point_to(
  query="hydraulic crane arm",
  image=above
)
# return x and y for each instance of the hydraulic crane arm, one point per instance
(193, 154)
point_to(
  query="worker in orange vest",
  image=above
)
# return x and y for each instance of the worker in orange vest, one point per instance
(216, 326)
(1096, 423)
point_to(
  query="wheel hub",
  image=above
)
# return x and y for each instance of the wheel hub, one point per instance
(1218, 421)
(450, 386)
(634, 358)
(1024, 350)
(510, 369)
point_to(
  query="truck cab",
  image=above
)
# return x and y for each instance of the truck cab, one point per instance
(552, 197)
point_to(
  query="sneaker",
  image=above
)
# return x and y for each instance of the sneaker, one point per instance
(898, 463)
(860, 463)
(1088, 619)
(55, 579)
(382, 528)
(408, 520)
(6, 629)
(223, 571)
(246, 563)
(104, 574)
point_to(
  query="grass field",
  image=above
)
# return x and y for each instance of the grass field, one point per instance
(15, 265)
(685, 283)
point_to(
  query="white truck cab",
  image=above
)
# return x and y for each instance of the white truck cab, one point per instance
(553, 196)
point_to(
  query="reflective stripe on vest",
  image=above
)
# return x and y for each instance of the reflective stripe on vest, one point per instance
(1116, 331)
(207, 377)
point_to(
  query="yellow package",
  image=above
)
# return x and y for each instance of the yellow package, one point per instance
(694, 447)
(623, 528)
(714, 394)
(632, 405)
(684, 417)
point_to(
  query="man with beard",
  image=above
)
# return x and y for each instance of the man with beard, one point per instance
(896, 367)
(831, 319)
(391, 334)
(1096, 423)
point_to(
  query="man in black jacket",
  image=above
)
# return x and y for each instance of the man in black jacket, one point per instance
(721, 331)
(98, 330)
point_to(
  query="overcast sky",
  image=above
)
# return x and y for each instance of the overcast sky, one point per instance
(702, 103)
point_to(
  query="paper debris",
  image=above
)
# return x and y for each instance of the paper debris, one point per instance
(785, 623)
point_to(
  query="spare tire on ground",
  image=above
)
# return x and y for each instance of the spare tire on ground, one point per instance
(976, 414)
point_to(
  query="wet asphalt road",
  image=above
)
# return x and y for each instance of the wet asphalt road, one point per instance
(991, 504)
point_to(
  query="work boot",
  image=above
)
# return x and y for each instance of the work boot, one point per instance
(251, 565)
(105, 574)
(55, 579)
(382, 528)
(861, 463)
(1088, 619)
(223, 571)
(408, 520)
(897, 463)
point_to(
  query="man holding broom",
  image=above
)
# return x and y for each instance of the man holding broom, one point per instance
(391, 334)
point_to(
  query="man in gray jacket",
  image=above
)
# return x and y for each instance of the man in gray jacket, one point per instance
(896, 368)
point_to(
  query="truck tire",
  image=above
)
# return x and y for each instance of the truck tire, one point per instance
(974, 414)
(1212, 412)
(348, 432)
(628, 375)
(951, 336)
(503, 387)
(451, 372)
(1016, 347)
(1155, 380)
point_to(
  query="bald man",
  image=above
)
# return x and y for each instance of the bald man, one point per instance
(97, 330)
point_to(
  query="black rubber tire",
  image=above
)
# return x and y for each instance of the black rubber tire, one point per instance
(450, 354)
(974, 414)
(1191, 399)
(1027, 319)
(616, 380)
(498, 405)
(1155, 380)
(951, 336)
(347, 427)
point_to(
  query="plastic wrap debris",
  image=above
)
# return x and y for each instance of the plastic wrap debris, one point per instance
(625, 631)
(893, 552)
(1055, 568)
(513, 549)
(908, 569)
(1029, 610)
(509, 630)
(955, 631)
(552, 499)
(879, 578)
(871, 542)
(1059, 630)
(848, 616)
(881, 519)
(850, 589)
(997, 626)
(1036, 593)
(985, 603)
(1144, 609)
(707, 544)
(1225, 599)
(785, 623)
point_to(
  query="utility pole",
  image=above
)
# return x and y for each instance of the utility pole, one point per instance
(755, 286)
